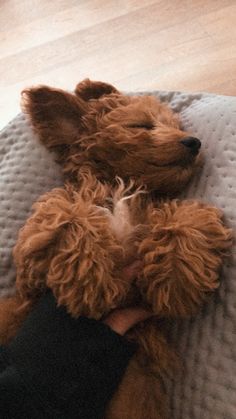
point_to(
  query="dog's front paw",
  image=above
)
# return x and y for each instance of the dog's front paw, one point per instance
(182, 254)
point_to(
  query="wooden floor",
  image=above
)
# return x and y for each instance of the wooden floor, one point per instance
(135, 44)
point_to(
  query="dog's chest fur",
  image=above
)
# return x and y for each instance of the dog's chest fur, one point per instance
(124, 217)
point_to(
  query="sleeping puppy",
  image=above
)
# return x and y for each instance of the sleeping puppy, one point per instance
(123, 157)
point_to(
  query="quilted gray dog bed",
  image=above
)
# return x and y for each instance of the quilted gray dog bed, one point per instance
(207, 387)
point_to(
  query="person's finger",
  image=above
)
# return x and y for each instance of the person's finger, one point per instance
(121, 320)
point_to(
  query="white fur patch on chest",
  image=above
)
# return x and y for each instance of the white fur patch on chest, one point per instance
(121, 216)
(121, 220)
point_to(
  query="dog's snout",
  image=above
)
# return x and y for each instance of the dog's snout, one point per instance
(192, 143)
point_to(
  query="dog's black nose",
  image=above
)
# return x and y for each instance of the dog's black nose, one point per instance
(193, 144)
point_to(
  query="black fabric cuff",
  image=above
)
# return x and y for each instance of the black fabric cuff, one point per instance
(74, 365)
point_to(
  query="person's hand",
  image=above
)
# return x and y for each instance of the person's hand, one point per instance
(121, 320)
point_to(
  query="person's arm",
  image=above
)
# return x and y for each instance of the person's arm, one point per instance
(61, 368)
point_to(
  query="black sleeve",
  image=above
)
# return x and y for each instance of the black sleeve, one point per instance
(60, 368)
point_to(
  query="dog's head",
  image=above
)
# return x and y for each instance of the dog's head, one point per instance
(133, 137)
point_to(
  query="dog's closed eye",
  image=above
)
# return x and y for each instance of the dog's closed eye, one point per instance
(146, 125)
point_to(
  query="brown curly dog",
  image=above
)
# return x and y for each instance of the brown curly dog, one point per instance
(122, 156)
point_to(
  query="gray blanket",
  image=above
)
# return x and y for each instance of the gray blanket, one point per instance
(206, 389)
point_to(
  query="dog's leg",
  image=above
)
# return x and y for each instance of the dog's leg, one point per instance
(67, 246)
(139, 396)
(12, 315)
(142, 393)
(183, 252)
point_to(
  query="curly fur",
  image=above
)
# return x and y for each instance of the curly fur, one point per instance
(121, 156)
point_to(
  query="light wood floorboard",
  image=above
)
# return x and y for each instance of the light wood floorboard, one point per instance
(185, 45)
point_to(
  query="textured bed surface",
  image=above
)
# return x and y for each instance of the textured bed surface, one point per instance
(207, 387)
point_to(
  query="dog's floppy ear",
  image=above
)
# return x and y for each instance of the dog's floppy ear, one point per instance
(56, 115)
(88, 89)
